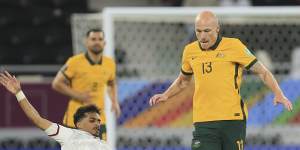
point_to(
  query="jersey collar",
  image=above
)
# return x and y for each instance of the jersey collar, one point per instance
(219, 38)
(89, 59)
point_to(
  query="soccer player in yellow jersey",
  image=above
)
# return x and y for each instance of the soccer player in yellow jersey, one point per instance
(219, 114)
(85, 77)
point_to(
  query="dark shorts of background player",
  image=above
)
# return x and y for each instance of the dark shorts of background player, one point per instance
(102, 132)
(219, 135)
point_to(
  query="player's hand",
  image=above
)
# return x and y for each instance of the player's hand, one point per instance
(84, 97)
(283, 100)
(157, 99)
(115, 107)
(10, 82)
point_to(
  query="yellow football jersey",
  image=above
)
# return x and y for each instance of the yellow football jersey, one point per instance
(218, 75)
(86, 76)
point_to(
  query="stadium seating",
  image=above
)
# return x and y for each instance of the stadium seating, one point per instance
(137, 103)
(32, 27)
(131, 86)
(11, 143)
(28, 144)
(262, 113)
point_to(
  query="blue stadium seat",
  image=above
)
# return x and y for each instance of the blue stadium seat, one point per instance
(137, 103)
(126, 88)
(264, 113)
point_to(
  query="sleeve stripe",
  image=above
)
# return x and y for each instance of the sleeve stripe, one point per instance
(56, 131)
(66, 75)
(186, 73)
(251, 64)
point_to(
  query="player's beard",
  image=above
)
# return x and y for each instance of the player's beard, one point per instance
(96, 50)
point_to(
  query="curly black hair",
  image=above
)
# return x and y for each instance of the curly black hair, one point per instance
(80, 113)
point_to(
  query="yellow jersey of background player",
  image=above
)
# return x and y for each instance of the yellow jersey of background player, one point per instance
(85, 77)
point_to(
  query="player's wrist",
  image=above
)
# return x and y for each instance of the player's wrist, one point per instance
(115, 102)
(278, 93)
(20, 95)
(165, 96)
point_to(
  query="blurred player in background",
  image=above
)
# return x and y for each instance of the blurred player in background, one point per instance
(217, 63)
(85, 77)
(86, 120)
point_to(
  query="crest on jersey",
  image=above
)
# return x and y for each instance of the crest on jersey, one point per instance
(220, 55)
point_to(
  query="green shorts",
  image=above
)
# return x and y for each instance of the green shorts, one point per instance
(102, 132)
(219, 135)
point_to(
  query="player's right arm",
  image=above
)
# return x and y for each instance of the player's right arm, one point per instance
(61, 84)
(176, 87)
(13, 86)
(181, 82)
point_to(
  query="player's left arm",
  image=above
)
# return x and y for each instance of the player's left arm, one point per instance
(112, 90)
(267, 77)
